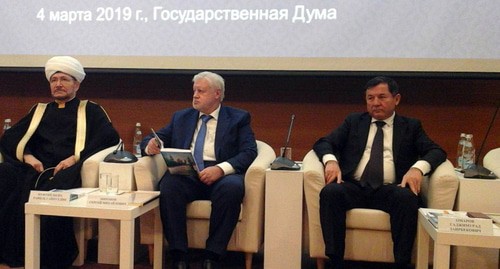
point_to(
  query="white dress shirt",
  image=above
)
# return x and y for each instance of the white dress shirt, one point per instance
(389, 168)
(209, 146)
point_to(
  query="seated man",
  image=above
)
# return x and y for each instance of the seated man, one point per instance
(224, 146)
(377, 160)
(43, 151)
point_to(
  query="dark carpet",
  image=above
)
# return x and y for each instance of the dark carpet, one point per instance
(233, 260)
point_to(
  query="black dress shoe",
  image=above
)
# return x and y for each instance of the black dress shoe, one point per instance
(180, 265)
(209, 264)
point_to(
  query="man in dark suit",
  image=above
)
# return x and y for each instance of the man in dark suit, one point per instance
(229, 149)
(390, 182)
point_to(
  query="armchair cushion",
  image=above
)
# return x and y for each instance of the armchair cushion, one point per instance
(368, 219)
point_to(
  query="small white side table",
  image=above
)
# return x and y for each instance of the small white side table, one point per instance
(283, 219)
(78, 208)
(481, 195)
(108, 247)
(444, 240)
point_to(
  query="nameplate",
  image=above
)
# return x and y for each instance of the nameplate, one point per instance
(136, 198)
(465, 225)
(57, 196)
(101, 199)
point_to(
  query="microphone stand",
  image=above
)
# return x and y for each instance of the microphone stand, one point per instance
(282, 162)
(479, 171)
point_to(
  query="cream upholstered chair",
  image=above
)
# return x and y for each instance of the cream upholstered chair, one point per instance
(249, 232)
(368, 236)
(492, 161)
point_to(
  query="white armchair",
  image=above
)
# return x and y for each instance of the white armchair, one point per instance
(492, 161)
(248, 234)
(368, 236)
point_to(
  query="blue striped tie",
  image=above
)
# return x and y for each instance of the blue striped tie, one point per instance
(200, 142)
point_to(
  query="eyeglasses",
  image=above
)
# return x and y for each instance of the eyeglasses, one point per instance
(65, 81)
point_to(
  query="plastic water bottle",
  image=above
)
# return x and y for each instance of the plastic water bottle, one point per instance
(460, 152)
(6, 125)
(137, 140)
(469, 152)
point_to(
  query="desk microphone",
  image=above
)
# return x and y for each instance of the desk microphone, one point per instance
(478, 171)
(120, 156)
(283, 163)
(118, 147)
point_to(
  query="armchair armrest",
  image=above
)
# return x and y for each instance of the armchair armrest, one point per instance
(491, 161)
(314, 181)
(313, 171)
(253, 202)
(440, 189)
(90, 168)
(148, 171)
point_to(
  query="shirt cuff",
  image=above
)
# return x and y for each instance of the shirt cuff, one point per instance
(328, 157)
(227, 168)
(423, 166)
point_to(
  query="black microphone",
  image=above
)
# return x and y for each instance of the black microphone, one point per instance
(118, 147)
(478, 171)
(283, 163)
(120, 156)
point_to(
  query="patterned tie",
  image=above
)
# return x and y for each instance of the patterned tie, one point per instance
(374, 170)
(200, 142)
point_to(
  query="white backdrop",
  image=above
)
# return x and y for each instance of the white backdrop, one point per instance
(400, 35)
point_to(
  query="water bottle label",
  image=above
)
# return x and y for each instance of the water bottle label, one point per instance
(137, 150)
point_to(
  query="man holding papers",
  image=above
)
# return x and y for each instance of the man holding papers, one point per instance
(224, 146)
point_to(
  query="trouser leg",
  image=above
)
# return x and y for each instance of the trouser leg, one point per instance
(402, 206)
(175, 193)
(226, 196)
(335, 200)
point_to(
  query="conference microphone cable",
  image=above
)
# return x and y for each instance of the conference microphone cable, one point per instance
(40, 175)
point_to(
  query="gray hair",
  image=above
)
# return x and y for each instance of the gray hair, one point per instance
(214, 80)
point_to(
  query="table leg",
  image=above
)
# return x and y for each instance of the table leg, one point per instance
(422, 247)
(158, 241)
(127, 244)
(79, 227)
(441, 256)
(32, 241)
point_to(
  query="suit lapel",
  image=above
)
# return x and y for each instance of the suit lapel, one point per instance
(220, 132)
(397, 136)
(364, 128)
(191, 123)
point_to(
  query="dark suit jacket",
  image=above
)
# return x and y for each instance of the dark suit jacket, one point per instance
(234, 138)
(410, 144)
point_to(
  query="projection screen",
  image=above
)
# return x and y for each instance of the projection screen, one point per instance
(312, 35)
